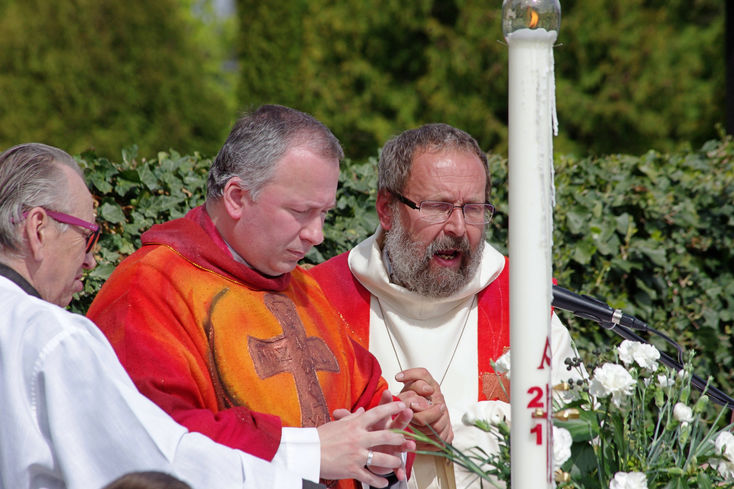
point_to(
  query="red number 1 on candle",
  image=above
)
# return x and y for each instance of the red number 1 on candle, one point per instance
(536, 403)
(538, 430)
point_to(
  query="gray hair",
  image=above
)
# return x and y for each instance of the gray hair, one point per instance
(259, 140)
(30, 176)
(396, 158)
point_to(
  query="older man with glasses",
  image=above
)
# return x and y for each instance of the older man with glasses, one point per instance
(427, 295)
(71, 417)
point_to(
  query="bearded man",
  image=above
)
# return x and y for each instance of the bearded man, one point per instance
(427, 291)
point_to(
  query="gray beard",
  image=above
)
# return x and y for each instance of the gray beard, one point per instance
(411, 263)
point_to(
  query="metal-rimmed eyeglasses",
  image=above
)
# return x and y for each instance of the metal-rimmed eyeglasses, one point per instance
(435, 211)
(90, 238)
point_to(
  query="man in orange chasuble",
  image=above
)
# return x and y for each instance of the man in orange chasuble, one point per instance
(216, 324)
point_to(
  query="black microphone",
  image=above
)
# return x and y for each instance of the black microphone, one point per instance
(587, 307)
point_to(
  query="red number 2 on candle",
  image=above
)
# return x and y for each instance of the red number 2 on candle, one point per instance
(537, 401)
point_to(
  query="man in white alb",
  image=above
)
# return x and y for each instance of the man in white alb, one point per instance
(427, 291)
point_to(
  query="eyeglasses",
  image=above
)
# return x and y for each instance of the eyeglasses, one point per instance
(436, 212)
(90, 238)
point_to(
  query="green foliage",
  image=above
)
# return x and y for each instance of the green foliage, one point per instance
(131, 196)
(631, 74)
(106, 74)
(652, 235)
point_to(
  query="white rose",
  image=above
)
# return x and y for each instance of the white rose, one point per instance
(665, 381)
(491, 412)
(562, 442)
(502, 364)
(612, 379)
(646, 356)
(725, 442)
(683, 413)
(628, 480)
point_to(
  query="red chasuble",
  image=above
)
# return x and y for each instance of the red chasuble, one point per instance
(217, 345)
(352, 300)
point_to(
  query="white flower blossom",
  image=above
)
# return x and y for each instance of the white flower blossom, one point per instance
(725, 442)
(491, 412)
(612, 379)
(628, 480)
(725, 446)
(646, 356)
(664, 381)
(502, 364)
(562, 442)
(683, 413)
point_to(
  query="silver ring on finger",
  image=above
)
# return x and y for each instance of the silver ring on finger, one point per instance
(370, 454)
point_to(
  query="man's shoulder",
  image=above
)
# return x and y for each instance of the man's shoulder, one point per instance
(35, 318)
(337, 262)
(334, 273)
(339, 284)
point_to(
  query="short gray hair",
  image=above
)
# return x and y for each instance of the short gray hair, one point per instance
(259, 140)
(30, 176)
(396, 158)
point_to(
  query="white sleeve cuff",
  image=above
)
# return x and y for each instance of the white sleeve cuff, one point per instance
(300, 452)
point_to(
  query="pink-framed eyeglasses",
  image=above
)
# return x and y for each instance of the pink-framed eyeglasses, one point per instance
(91, 238)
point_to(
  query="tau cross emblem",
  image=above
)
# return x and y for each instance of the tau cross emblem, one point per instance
(295, 353)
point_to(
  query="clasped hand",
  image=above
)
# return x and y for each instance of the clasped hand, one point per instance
(347, 442)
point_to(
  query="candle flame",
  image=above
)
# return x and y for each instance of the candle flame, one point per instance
(533, 22)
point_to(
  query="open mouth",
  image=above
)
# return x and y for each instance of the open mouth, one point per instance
(448, 255)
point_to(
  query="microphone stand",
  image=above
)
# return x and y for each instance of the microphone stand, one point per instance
(703, 386)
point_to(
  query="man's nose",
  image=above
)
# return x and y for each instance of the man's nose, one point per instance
(89, 260)
(455, 225)
(313, 232)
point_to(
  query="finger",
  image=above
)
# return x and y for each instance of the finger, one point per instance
(381, 413)
(384, 463)
(401, 420)
(382, 439)
(430, 415)
(420, 387)
(386, 397)
(373, 480)
(340, 413)
(415, 402)
(416, 374)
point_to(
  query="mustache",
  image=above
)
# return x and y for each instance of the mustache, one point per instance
(460, 244)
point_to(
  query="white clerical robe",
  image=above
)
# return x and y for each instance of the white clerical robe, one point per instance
(440, 334)
(72, 418)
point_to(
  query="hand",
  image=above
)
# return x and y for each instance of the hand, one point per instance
(423, 395)
(346, 442)
(398, 422)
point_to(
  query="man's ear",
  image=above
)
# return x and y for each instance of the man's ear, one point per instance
(235, 198)
(38, 229)
(385, 209)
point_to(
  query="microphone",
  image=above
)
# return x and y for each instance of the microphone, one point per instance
(587, 307)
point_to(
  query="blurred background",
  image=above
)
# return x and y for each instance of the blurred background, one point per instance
(631, 75)
(146, 92)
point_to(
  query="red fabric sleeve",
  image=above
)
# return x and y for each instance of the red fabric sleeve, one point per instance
(156, 339)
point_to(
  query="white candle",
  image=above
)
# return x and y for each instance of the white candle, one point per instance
(531, 195)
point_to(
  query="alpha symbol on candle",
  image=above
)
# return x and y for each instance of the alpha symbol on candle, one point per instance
(546, 359)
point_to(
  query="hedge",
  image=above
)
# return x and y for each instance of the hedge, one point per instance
(651, 234)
